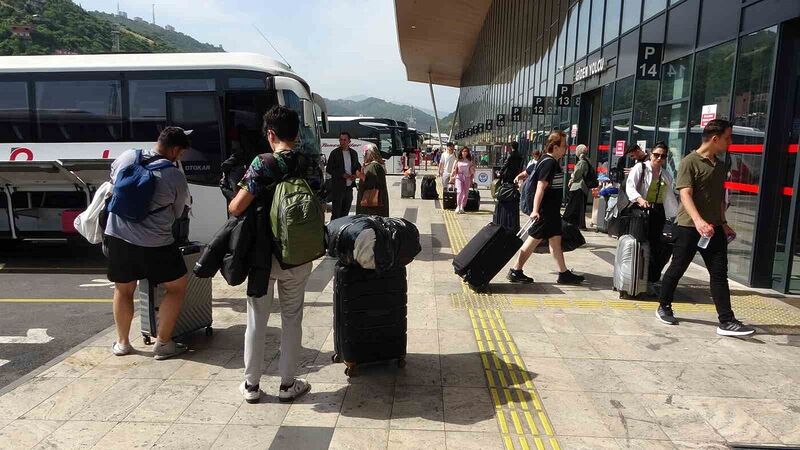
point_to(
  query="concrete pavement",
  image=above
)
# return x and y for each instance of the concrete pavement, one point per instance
(540, 366)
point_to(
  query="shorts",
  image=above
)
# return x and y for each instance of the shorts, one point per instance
(128, 262)
(546, 227)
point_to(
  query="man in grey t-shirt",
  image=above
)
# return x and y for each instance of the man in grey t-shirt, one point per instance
(147, 249)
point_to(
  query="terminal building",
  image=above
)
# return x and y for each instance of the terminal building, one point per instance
(615, 72)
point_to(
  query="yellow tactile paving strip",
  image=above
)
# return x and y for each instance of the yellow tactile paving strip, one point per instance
(519, 412)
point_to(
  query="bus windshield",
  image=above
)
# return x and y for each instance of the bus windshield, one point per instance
(308, 143)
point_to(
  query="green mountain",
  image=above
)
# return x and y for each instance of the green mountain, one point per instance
(375, 107)
(61, 26)
(176, 39)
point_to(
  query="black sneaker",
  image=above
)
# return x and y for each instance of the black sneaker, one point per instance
(569, 278)
(517, 276)
(734, 328)
(665, 315)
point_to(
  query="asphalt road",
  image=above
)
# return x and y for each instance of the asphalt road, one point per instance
(51, 286)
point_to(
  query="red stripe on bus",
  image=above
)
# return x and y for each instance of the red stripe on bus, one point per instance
(793, 148)
(744, 187)
(603, 147)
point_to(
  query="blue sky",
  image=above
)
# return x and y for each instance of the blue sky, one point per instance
(341, 47)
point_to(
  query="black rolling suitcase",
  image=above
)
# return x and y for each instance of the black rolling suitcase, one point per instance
(486, 253)
(473, 200)
(449, 201)
(428, 188)
(369, 316)
(408, 187)
(196, 307)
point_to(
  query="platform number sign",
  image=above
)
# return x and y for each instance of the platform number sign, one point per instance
(516, 114)
(564, 97)
(480, 128)
(489, 124)
(500, 120)
(539, 106)
(648, 62)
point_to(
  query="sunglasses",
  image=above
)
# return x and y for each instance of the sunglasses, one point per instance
(660, 155)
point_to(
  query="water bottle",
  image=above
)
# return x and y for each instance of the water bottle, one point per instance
(703, 242)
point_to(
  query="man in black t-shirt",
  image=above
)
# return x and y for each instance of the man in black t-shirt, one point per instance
(546, 213)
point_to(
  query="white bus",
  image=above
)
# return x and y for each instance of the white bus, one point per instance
(387, 134)
(63, 119)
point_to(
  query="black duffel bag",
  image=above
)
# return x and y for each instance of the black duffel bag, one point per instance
(571, 239)
(507, 192)
(341, 236)
(403, 238)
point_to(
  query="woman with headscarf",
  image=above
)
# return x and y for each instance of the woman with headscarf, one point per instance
(575, 212)
(373, 195)
(506, 211)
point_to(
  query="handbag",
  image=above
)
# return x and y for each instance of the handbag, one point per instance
(507, 192)
(371, 198)
(668, 232)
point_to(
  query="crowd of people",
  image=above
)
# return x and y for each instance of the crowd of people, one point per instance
(146, 248)
(695, 216)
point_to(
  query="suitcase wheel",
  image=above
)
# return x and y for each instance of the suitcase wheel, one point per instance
(147, 340)
(624, 295)
(209, 331)
(336, 358)
(350, 370)
(401, 362)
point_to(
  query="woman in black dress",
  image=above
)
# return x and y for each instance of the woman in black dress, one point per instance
(506, 210)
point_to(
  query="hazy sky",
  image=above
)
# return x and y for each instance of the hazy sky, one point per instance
(341, 47)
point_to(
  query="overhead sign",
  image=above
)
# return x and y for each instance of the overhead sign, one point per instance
(539, 106)
(708, 114)
(564, 95)
(516, 114)
(648, 63)
(501, 120)
(593, 68)
(480, 128)
(489, 125)
(619, 148)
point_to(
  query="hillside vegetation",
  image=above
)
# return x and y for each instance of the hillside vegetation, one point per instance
(375, 107)
(174, 38)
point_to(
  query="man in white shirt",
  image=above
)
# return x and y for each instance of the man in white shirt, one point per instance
(446, 163)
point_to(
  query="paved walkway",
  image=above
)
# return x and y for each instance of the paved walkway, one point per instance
(523, 367)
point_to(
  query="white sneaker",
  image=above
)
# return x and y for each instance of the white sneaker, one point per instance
(251, 394)
(121, 350)
(297, 389)
(166, 350)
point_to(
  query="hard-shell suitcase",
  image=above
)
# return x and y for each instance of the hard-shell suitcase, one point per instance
(449, 198)
(196, 306)
(486, 253)
(427, 189)
(408, 187)
(600, 221)
(631, 266)
(369, 316)
(473, 200)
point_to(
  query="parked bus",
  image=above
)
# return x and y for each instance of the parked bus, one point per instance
(63, 119)
(387, 134)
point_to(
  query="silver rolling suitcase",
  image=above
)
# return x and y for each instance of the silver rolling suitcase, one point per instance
(408, 187)
(631, 266)
(195, 309)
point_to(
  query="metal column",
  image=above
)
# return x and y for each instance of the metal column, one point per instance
(435, 111)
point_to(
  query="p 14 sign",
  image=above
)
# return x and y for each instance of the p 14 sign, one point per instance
(648, 62)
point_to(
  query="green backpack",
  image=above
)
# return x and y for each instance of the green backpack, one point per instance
(298, 224)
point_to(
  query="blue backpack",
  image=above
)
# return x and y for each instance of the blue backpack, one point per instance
(135, 186)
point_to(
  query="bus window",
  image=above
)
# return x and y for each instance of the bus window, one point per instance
(244, 112)
(308, 143)
(148, 106)
(14, 119)
(247, 83)
(199, 112)
(79, 111)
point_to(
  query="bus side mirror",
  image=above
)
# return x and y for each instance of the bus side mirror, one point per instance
(308, 114)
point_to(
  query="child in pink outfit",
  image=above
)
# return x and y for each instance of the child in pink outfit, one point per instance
(462, 176)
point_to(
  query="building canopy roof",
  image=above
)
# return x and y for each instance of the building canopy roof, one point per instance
(438, 37)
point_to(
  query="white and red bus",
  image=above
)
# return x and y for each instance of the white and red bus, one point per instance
(63, 119)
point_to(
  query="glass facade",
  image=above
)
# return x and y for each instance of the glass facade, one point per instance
(526, 48)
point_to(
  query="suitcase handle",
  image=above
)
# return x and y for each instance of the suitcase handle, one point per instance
(524, 230)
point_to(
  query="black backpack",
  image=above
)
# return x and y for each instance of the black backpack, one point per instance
(591, 177)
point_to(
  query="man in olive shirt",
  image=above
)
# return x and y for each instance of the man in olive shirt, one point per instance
(701, 178)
